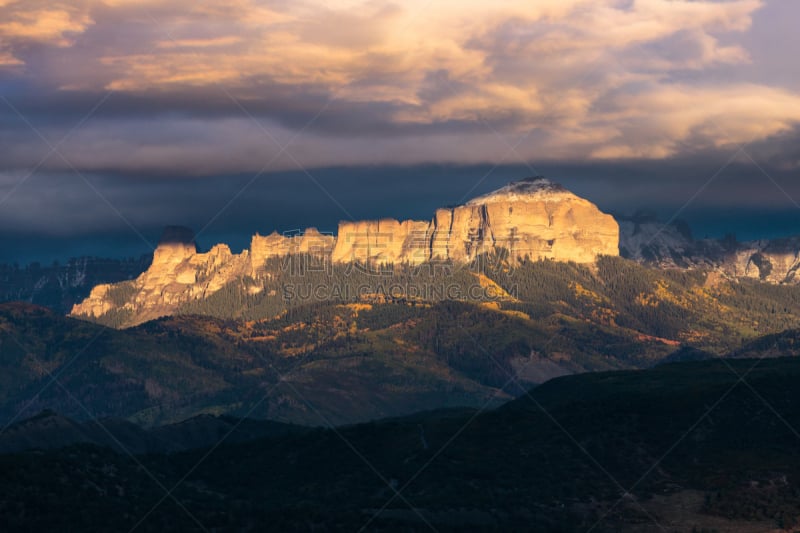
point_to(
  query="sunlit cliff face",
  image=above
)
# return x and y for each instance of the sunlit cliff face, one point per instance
(530, 219)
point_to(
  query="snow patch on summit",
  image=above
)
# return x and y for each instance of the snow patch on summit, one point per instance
(526, 190)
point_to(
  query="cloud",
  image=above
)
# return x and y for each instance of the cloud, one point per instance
(42, 22)
(675, 123)
(194, 84)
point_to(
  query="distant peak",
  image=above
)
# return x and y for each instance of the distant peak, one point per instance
(527, 188)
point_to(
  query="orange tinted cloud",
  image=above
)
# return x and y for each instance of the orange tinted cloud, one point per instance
(596, 79)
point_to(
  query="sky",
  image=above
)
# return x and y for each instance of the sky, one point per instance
(118, 117)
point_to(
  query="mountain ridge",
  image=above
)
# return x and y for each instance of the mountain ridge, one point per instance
(359, 359)
(575, 454)
(527, 220)
(650, 242)
(50, 430)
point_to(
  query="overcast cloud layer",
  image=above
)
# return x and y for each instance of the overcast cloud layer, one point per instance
(143, 91)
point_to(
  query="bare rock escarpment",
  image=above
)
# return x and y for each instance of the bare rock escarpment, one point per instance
(311, 242)
(529, 219)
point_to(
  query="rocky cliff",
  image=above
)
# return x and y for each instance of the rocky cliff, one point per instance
(529, 219)
(650, 242)
(775, 261)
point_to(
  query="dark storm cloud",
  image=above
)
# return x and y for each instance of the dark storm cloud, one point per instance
(713, 197)
(288, 106)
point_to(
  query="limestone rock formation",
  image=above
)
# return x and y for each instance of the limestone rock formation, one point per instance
(382, 241)
(177, 274)
(529, 219)
(176, 244)
(310, 242)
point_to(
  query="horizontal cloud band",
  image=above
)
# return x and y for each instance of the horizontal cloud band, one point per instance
(220, 86)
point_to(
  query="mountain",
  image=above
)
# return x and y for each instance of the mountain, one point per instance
(48, 431)
(646, 240)
(680, 447)
(532, 218)
(529, 220)
(61, 286)
(289, 354)
(775, 260)
(176, 368)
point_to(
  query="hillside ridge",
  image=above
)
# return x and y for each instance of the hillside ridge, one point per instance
(527, 220)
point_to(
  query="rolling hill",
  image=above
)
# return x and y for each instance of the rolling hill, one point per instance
(680, 447)
(382, 354)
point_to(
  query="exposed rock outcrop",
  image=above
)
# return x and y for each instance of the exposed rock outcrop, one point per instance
(176, 244)
(647, 241)
(775, 261)
(382, 241)
(532, 219)
(177, 274)
(529, 219)
(310, 242)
